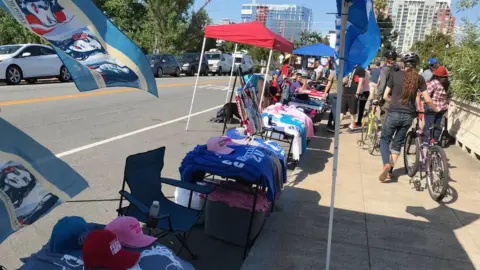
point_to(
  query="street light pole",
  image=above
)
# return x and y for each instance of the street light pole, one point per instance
(446, 49)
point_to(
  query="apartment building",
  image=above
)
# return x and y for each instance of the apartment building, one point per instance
(286, 20)
(413, 19)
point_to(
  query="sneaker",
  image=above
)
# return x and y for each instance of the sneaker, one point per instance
(352, 127)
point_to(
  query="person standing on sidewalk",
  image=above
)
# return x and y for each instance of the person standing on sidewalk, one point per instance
(374, 76)
(403, 87)
(331, 92)
(351, 92)
(364, 97)
(385, 74)
(437, 89)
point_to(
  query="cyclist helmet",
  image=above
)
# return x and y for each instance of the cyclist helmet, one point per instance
(392, 55)
(432, 61)
(410, 58)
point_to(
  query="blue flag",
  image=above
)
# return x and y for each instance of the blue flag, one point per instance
(362, 38)
(96, 53)
(32, 180)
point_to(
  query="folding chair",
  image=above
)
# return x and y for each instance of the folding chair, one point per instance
(143, 177)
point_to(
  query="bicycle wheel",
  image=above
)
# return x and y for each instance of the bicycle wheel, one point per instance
(411, 149)
(365, 123)
(373, 136)
(437, 173)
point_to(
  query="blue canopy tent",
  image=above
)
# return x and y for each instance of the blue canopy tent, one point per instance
(358, 41)
(319, 49)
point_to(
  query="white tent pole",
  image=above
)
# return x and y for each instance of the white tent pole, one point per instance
(343, 29)
(265, 79)
(196, 82)
(231, 72)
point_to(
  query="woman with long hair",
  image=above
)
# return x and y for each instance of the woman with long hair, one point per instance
(437, 89)
(403, 86)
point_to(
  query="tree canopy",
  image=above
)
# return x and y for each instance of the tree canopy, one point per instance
(309, 38)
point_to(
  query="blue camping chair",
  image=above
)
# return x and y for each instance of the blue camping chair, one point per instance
(143, 177)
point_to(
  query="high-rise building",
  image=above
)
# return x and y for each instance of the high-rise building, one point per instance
(413, 19)
(445, 22)
(286, 20)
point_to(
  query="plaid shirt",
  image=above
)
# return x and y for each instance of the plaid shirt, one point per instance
(438, 94)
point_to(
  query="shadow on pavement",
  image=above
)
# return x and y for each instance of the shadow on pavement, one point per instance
(316, 157)
(295, 237)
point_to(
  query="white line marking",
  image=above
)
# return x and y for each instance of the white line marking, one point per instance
(119, 137)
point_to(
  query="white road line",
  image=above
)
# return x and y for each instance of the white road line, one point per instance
(119, 137)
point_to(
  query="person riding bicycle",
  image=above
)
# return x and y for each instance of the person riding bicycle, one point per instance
(385, 74)
(403, 86)
(437, 89)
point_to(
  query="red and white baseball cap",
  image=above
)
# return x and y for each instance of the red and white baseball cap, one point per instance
(129, 232)
(219, 145)
(101, 249)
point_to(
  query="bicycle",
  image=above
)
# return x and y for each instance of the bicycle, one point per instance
(369, 134)
(429, 158)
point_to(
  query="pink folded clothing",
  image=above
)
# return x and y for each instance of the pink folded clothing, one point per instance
(238, 198)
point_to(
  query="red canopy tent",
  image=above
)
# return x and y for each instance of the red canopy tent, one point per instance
(250, 33)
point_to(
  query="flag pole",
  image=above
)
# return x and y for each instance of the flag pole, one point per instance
(196, 82)
(341, 53)
(231, 73)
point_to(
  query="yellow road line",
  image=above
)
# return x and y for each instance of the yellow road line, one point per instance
(89, 94)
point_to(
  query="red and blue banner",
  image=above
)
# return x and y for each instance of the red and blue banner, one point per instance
(96, 53)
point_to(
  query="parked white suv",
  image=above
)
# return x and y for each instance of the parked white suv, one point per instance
(30, 62)
(219, 63)
(244, 61)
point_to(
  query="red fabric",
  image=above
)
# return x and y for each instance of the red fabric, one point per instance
(285, 70)
(251, 33)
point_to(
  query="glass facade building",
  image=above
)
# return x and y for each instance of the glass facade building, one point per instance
(286, 20)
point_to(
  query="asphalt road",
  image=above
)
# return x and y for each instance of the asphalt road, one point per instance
(94, 132)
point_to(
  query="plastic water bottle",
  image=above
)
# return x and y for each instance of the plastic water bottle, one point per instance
(154, 211)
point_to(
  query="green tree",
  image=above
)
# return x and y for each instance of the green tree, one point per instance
(309, 38)
(12, 32)
(132, 18)
(434, 45)
(387, 35)
(385, 24)
(193, 36)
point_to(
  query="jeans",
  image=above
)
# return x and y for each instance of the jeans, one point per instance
(332, 100)
(430, 120)
(396, 123)
(362, 102)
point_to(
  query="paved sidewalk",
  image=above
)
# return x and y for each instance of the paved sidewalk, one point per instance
(376, 225)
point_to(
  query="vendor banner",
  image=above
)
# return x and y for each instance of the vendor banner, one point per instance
(96, 53)
(32, 180)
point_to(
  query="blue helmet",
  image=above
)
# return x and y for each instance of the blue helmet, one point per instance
(432, 61)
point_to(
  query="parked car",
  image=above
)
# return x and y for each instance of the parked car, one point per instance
(164, 63)
(244, 61)
(190, 62)
(30, 62)
(219, 63)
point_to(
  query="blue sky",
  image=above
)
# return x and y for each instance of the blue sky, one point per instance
(322, 22)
